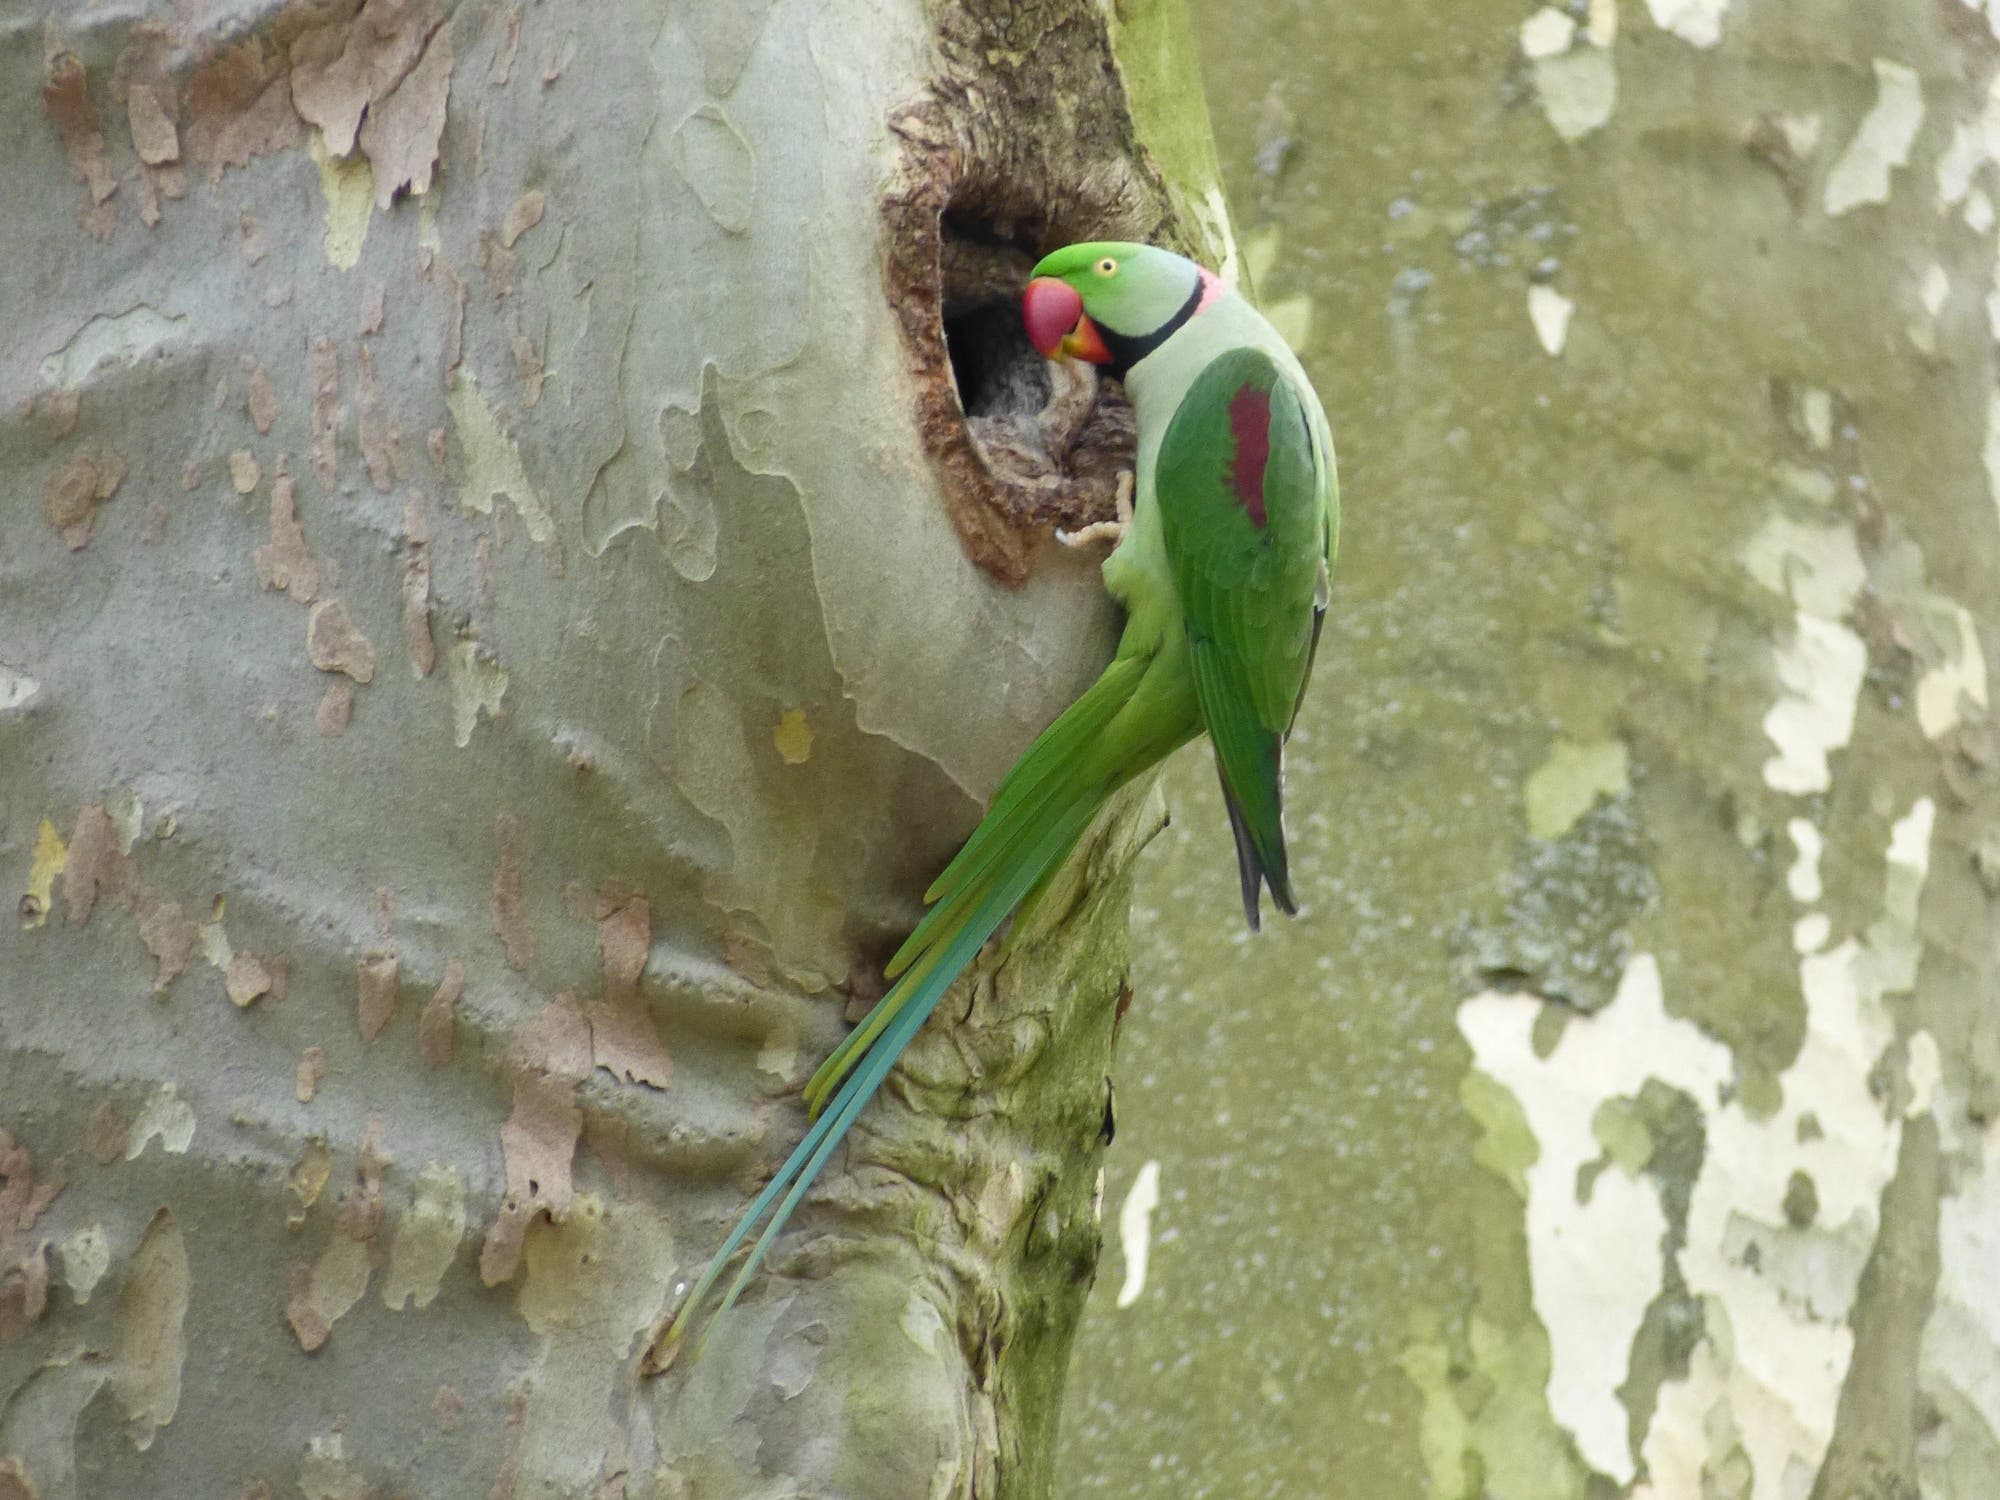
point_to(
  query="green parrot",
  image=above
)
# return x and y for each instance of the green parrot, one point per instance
(1223, 570)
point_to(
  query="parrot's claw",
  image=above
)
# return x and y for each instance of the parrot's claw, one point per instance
(1105, 531)
(1098, 531)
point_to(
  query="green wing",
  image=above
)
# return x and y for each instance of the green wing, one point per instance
(1245, 492)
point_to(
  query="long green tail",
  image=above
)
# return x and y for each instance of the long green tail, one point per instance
(1039, 812)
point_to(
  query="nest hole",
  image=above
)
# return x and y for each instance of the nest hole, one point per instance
(1025, 445)
(1052, 435)
(982, 270)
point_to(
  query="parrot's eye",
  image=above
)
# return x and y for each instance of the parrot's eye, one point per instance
(1106, 266)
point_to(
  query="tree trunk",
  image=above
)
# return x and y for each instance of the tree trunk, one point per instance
(504, 611)
(1619, 1121)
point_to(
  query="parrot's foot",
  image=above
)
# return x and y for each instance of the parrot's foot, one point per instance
(1105, 531)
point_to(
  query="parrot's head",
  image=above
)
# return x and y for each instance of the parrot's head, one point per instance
(1111, 303)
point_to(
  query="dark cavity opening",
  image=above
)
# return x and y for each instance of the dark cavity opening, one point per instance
(996, 369)
(984, 265)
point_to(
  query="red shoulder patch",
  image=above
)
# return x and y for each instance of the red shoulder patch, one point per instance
(1250, 429)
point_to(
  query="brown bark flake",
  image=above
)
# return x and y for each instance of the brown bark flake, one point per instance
(335, 711)
(284, 562)
(417, 587)
(335, 643)
(244, 474)
(153, 135)
(355, 61)
(551, 1056)
(326, 411)
(239, 107)
(525, 214)
(96, 866)
(437, 1027)
(74, 491)
(22, 1196)
(169, 934)
(106, 1133)
(401, 133)
(373, 426)
(623, 1039)
(510, 918)
(246, 980)
(309, 1075)
(262, 399)
(503, 55)
(376, 1005)
(66, 101)
(24, 1292)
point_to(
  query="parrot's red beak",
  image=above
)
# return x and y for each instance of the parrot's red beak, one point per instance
(1052, 310)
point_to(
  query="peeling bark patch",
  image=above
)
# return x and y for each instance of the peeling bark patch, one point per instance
(86, 1256)
(104, 339)
(401, 133)
(246, 980)
(239, 107)
(376, 1003)
(243, 471)
(94, 865)
(50, 856)
(285, 562)
(478, 684)
(105, 1134)
(66, 102)
(150, 1342)
(427, 1238)
(510, 918)
(165, 1117)
(1779, 1282)
(373, 426)
(551, 1055)
(169, 934)
(527, 360)
(310, 1074)
(623, 1038)
(793, 737)
(492, 461)
(334, 643)
(24, 1290)
(596, 1281)
(1882, 143)
(1820, 670)
(1135, 1230)
(326, 412)
(717, 164)
(154, 139)
(74, 491)
(23, 1198)
(525, 214)
(437, 1027)
(307, 1179)
(16, 688)
(347, 189)
(325, 1474)
(355, 62)
(335, 711)
(326, 1291)
(417, 588)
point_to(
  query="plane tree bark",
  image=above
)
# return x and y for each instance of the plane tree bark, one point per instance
(528, 543)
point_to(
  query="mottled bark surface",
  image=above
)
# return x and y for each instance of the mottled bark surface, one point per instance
(1619, 1121)
(491, 648)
